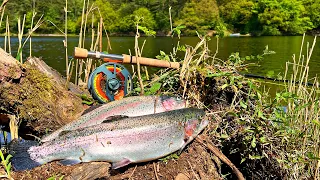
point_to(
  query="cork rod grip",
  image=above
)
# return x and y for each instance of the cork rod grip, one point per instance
(80, 53)
(150, 62)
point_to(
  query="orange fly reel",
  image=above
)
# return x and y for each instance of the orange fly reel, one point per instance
(109, 82)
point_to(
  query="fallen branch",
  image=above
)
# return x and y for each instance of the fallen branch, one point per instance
(221, 156)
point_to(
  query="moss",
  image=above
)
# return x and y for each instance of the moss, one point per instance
(36, 90)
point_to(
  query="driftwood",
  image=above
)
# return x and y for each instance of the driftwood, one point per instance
(36, 95)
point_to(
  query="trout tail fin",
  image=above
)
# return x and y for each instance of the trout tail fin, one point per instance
(21, 159)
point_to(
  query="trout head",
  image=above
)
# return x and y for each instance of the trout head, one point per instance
(194, 124)
(172, 103)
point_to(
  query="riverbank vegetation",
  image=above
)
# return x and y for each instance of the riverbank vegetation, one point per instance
(264, 17)
(265, 137)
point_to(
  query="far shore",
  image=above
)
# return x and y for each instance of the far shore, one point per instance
(159, 34)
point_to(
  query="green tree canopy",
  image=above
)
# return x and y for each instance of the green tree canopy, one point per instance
(266, 17)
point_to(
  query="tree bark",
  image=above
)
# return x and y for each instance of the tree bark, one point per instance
(36, 95)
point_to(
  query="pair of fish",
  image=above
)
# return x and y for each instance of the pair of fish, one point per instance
(146, 128)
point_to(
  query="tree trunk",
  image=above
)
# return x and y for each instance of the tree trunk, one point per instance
(36, 95)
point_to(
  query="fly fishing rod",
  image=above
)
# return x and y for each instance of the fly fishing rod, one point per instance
(125, 59)
(112, 81)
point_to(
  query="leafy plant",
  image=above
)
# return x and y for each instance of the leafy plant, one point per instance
(152, 90)
(55, 177)
(163, 56)
(169, 157)
(177, 30)
(6, 164)
(147, 31)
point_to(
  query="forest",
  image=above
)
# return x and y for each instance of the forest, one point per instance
(257, 17)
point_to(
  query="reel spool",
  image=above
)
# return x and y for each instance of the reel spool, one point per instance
(109, 82)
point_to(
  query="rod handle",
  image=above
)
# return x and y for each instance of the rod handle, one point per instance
(150, 62)
(80, 53)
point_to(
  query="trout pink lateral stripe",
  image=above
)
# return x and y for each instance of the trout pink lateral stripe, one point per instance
(121, 142)
(130, 106)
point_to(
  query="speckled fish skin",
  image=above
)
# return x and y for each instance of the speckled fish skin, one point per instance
(124, 141)
(130, 106)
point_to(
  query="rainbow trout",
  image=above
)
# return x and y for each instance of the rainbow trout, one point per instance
(130, 106)
(121, 141)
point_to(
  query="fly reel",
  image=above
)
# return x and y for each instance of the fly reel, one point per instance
(109, 82)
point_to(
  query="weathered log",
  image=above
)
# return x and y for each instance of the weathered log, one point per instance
(55, 75)
(36, 95)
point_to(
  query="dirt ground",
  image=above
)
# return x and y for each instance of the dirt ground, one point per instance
(195, 162)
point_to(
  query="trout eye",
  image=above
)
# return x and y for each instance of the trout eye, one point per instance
(179, 98)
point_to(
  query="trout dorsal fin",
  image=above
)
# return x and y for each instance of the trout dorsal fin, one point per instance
(62, 133)
(92, 108)
(114, 118)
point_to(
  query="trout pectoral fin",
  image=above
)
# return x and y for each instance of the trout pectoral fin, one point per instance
(187, 141)
(121, 163)
(114, 118)
(67, 162)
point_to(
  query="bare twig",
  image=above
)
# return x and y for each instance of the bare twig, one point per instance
(155, 171)
(223, 158)
(132, 172)
(194, 173)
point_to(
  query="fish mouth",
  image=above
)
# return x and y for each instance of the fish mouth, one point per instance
(203, 124)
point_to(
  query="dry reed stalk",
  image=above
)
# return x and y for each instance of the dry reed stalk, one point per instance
(66, 41)
(5, 38)
(100, 34)
(31, 27)
(217, 51)
(138, 55)
(189, 58)
(20, 35)
(170, 19)
(95, 47)
(2, 14)
(36, 26)
(81, 26)
(3, 5)
(80, 40)
(303, 114)
(109, 43)
(145, 67)
(105, 30)
(85, 23)
(88, 62)
(9, 35)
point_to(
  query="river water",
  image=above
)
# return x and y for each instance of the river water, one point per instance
(52, 51)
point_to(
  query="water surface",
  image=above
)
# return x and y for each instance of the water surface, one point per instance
(52, 51)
